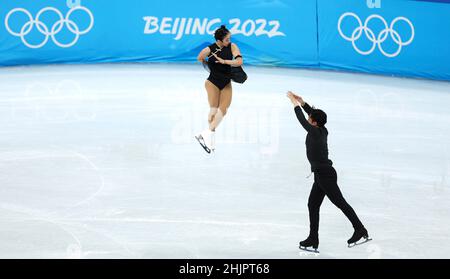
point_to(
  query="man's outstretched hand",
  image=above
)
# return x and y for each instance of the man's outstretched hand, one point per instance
(295, 99)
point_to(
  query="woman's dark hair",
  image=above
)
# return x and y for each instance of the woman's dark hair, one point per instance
(221, 33)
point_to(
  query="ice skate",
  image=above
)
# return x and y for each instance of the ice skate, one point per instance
(309, 242)
(359, 237)
(204, 139)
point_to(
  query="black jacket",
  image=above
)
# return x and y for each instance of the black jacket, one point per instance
(316, 141)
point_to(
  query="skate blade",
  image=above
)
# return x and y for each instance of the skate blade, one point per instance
(202, 143)
(359, 243)
(308, 250)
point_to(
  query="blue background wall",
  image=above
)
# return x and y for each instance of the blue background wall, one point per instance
(291, 33)
(425, 25)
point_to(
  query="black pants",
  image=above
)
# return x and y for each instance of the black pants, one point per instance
(325, 183)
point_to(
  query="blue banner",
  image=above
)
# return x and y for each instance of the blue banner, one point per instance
(282, 33)
(402, 37)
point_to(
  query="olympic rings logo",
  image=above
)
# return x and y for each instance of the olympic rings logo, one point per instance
(382, 36)
(45, 30)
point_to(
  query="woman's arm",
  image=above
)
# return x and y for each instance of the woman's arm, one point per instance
(203, 54)
(238, 60)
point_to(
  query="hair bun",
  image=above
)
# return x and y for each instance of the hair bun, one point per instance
(221, 33)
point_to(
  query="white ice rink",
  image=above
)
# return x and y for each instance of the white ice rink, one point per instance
(99, 161)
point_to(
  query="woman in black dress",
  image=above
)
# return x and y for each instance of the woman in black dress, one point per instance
(222, 55)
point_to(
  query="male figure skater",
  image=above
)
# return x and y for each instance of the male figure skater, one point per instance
(325, 177)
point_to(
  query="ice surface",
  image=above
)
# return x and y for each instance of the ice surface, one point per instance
(100, 161)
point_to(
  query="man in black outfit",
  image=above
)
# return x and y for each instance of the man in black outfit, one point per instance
(325, 177)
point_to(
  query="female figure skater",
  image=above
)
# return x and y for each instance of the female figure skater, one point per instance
(218, 85)
(325, 177)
